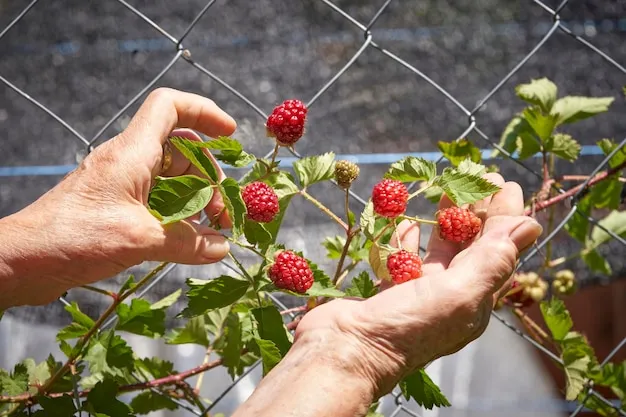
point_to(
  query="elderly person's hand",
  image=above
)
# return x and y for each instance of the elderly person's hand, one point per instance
(95, 224)
(361, 349)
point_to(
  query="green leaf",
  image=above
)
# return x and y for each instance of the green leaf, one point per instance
(178, 198)
(472, 168)
(193, 332)
(563, 146)
(128, 284)
(459, 151)
(256, 232)
(231, 351)
(423, 390)
(571, 109)
(16, 382)
(608, 146)
(144, 319)
(508, 140)
(463, 188)
(542, 124)
(149, 401)
(606, 194)
(231, 151)
(362, 286)
(412, 168)
(213, 294)
(378, 260)
(596, 262)
(372, 411)
(319, 290)
(196, 156)
(109, 354)
(575, 366)
(557, 318)
(527, 145)
(214, 319)
(37, 374)
(578, 224)
(78, 316)
(271, 327)
(615, 222)
(269, 354)
(231, 195)
(102, 399)
(433, 194)
(156, 367)
(58, 406)
(314, 169)
(540, 92)
(368, 220)
(72, 331)
(598, 406)
(334, 247)
(612, 375)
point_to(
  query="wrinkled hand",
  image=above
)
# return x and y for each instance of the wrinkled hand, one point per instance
(406, 326)
(97, 216)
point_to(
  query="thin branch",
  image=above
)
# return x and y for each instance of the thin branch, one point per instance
(98, 290)
(325, 209)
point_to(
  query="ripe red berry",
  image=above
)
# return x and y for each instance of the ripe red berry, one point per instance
(404, 266)
(286, 123)
(390, 198)
(261, 202)
(458, 224)
(291, 272)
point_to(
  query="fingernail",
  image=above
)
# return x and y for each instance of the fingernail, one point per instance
(526, 234)
(216, 247)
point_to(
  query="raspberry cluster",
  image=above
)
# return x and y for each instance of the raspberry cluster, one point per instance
(291, 272)
(458, 225)
(286, 123)
(404, 266)
(261, 202)
(390, 198)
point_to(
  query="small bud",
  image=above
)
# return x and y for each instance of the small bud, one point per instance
(345, 173)
(564, 282)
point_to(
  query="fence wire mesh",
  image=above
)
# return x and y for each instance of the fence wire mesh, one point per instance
(175, 42)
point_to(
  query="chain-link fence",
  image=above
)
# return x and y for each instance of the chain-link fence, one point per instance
(356, 42)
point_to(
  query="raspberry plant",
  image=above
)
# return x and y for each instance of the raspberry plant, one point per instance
(232, 315)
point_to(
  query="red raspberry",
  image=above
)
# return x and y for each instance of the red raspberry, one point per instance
(390, 198)
(286, 123)
(291, 272)
(458, 225)
(404, 266)
(261, 201)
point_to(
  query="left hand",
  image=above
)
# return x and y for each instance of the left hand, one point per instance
(95, 224)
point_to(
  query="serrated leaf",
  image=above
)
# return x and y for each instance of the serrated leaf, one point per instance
(156, 367)
(78, 316)
(109, 354)
(196, 156)
(58, 406)
(231, 195)
(557, 318)
(362, 286)
(213, 294)
(214, 319)
(412, 168)
(318, 290)
(472, 168)
(423, 390)
(459, 151)
(542, 124)
(81, 324)
(269, 354)
(378, 260)
(606, 194)
(614, 222)
(612, 375)
(367, 220)
(608, 146)
(433, 194)
(271, 327)
(178, 198)
(102, 399)
(16, 382)
(596, 262)
(578, 225)
(142, 318)
(194, 332)
(571, 109)
(128, 284)
(231, 349)
(334, 248)
(149, 401)
(599, 407)
(314, 169)
(38, 374)
(256, 232)
(527, 145)
(575, 366)
(563, 146)
(541, 92)
(464, 188)
(508, 139)
(232, 152)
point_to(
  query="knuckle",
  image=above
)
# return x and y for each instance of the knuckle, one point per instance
(161, 94)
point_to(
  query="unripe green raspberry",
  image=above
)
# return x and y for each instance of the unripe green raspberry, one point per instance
(345, 173)
(564, 282)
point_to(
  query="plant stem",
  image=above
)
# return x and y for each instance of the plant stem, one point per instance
(417, 219)
(542, 205)
(325, 209)
(98, 290)
(274, 154)
(345, 272)
(530, 322)
(418, 192)
(87, 336)
(201, 376)
(346, 247)
(383, 230)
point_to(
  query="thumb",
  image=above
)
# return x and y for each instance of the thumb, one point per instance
(489, 262)
(186, 242)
